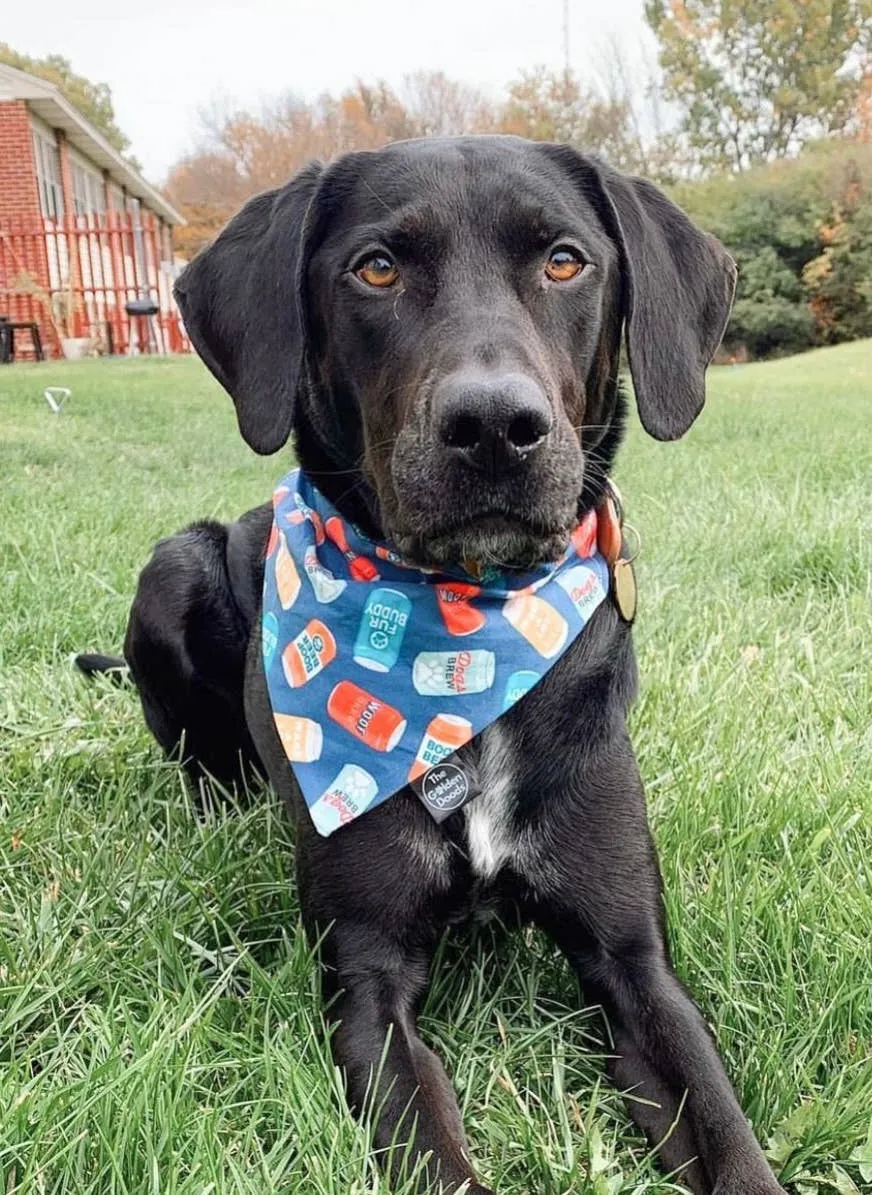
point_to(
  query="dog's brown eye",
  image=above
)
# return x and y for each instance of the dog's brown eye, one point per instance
(563, 264)
(377, 270)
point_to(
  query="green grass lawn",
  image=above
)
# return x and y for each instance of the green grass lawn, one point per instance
(159, 1021)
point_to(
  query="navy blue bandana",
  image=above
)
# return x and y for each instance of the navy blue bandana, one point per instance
(378, 671)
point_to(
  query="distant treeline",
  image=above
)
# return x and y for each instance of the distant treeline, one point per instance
(757, 117)
(800, 227)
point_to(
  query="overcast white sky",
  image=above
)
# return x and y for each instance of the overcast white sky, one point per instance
(165, 60)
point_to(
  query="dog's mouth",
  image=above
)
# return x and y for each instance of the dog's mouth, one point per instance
(488, 540)
(441, 513)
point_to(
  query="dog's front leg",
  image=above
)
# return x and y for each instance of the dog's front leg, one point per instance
(603, 908)
(372, 988)
(377, 916)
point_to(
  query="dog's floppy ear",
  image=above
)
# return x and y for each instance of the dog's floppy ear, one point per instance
(243, 305)
(678, 292)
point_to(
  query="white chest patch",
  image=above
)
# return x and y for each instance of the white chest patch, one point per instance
(489, 838)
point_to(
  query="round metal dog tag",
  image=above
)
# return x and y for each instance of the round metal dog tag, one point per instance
(624, 587)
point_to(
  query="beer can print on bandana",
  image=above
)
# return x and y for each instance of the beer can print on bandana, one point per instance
(380, 672)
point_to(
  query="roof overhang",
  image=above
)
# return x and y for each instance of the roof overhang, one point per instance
(46, 101)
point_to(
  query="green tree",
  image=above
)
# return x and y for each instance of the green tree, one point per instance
(92, 100)
(755, 79)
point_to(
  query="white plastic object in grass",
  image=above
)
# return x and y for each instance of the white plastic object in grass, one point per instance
(56, 396)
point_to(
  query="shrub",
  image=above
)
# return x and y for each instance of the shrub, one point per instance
(801, 233)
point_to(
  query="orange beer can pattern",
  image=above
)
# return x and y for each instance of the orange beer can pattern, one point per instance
(454, 599)
(444, 734)
(308, 654)
(359, 567)
(541, 625)
(366, 716)
(288, 581)
(379, 675)
(302, 738)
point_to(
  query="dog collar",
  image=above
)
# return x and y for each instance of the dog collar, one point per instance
(378, 671)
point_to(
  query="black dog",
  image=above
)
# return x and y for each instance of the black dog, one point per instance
(438, 324)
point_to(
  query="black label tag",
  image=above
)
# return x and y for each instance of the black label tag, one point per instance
(446, 788)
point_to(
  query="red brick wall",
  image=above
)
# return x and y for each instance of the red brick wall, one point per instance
(19, 210)
(19, 197)
(23, 241)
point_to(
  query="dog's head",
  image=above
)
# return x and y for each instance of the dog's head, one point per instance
(440, 323)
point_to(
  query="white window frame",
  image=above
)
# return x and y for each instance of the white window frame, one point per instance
(89, 193)
(47, 159)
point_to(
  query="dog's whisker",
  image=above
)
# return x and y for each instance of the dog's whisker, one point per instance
(337, 472)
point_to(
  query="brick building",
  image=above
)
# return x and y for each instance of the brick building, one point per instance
(82, 233)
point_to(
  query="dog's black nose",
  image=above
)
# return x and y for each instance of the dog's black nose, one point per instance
(493, 423)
